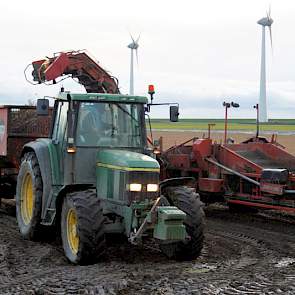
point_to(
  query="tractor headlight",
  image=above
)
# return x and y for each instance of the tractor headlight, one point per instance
(152, 187)
(135, 187)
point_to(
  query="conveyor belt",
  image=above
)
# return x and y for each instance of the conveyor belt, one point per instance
(260, 159)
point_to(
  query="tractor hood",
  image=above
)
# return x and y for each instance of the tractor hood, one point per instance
(126, 161)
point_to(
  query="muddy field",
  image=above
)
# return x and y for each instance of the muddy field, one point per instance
(243, 254)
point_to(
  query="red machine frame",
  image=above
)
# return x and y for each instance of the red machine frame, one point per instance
(255, 173)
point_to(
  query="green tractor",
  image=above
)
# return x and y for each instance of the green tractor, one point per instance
(95, 175)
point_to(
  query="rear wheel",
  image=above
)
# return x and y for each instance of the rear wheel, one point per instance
(29, 192)
(188, 201)
(82, 227)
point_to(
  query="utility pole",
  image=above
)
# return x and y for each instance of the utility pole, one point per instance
(257, 119)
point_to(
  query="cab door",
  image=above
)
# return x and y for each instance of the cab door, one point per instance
(59, 143)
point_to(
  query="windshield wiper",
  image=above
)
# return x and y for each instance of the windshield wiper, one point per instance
(126, 112)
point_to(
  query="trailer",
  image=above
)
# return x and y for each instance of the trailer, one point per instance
(19, 124)
(256, 173)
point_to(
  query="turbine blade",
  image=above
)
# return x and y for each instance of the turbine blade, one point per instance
(268, 12)
(138, 38)
(131, 37)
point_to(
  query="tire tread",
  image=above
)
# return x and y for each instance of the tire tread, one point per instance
(90, 226)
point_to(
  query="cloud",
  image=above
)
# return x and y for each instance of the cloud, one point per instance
(199, 53)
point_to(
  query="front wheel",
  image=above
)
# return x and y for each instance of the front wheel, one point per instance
(82, 227)
(189, 202)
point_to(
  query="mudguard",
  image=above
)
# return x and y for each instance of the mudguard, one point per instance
(40, 148)
(188, 181)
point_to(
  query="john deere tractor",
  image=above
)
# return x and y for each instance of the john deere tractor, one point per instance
(95, 175)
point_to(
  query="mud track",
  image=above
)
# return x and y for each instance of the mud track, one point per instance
(243, 254)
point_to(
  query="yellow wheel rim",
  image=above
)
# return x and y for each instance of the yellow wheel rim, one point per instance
(72, 232)
(27, 199)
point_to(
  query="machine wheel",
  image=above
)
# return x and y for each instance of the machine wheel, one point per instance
(29, 192)
(82, 227)
(189, 202)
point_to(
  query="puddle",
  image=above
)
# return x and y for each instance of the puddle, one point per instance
(202, 268)
(284, 262)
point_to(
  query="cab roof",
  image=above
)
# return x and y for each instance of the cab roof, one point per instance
(104, 97)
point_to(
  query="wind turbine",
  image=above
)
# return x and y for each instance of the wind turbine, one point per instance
(264, 22)
(133, 46)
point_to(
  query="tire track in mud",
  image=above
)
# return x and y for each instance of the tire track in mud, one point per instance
(248, 263)
(249, 275)
(269, 242)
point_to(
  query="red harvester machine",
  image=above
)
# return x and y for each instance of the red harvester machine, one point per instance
(255, 173)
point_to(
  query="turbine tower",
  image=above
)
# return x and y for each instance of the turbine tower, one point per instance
(264, 22)
(133, 46)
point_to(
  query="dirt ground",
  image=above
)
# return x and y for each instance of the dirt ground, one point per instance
(243, 254)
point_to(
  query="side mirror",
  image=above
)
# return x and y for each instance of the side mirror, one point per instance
(174, 113)
(43, 107)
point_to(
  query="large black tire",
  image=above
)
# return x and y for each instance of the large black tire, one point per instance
(82, 227)
(188, 201)
(29, 192)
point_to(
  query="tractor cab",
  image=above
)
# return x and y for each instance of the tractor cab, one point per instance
(110, 124)
(99, 120)
(84, 125)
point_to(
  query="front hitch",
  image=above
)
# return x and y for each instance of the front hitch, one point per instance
(167, 222)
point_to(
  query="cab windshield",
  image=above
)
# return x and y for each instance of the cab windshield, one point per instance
(110, 125)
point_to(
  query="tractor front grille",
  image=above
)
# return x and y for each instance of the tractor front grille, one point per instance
(144, 178)
(114, 184)
(139, 177)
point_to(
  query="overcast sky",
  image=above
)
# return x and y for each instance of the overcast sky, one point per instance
(198, 53)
